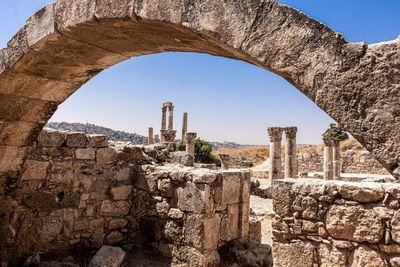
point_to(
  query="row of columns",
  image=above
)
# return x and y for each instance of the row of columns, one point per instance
(275, 153)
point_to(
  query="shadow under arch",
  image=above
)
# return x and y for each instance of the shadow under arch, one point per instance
(66, 43)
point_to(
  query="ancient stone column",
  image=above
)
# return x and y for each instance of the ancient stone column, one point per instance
(275, 158)
(156, 139)
(336, 160)
(224, 161)
(163, 120)
(184, 125)
(328, 158)
(151, 139)
(291, 153)
(171, 117)
(190, 139)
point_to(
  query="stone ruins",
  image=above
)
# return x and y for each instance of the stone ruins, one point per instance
(64, 195)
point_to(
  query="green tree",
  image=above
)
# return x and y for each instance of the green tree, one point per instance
(336, 132)
(202, 151)
(181, 146)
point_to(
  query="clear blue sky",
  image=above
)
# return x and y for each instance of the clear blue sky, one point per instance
(226, 99)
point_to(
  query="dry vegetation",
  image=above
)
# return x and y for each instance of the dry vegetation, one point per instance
(258, 154)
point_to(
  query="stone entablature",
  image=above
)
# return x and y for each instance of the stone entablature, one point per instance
(77, 191)
(335, 223)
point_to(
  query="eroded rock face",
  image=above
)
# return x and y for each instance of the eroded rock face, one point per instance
(354, 223)
(366, 257)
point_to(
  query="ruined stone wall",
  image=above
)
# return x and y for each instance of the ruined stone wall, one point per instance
(77, 192)
(335, 223)
(352, 162)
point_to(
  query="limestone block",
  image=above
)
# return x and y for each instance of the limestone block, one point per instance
(293, 254)
(244, 217)
(395, 262)
(51, 228)
(283, 197)
(245, 187)
(97, 223)
(106, 156)
(331, 256)
(231, 184)
(108, 256)
(230, 224)
(395, 225)
(131, 154)
(123, 174)
(85, 153)
(354, 223)
(176, 214)
(163, 207)
(114, 238)
(390, 249)
(119, 208)
(365, 257)
(195, 198)
(255, 228)
(115, 224)
(81, 225)
(147, 183)
(76, 140)
(97, 140)
(194, 230)
(173, 231)
(51, 138)
(121, 192)
(35, 170)
(166, 187)
(310, 208)
(365, 192)
(211, 232)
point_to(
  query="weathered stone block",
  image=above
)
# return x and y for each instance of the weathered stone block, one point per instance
(194, 230)
(365, 192)
(119, 208)
(114, 238)
(293, 254)
(365, 257)
(97, 140)
(195, 198)
(331, 256)
(283, 198)
(115, 224)
(231, 184)
(85, 153)
(51, 139)
(166, 187)
(108, 256)
(123, 174)
(255, 229)
(395, 226)
(354, 223)
(76, 140)
(105, 156)
(35, 170)
(211, 232)
(173, 231)
(230, 224)
(175, 214)
(121, 192)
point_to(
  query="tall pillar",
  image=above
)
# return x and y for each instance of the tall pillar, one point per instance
(291, 170)
(171, 117)
(336, 159)
(163, 120)
(275, 158)
(184, 125)
(190, 139)
(156, 139)
(328, 158)
(151, 139)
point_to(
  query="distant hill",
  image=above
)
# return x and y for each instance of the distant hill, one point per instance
(88, 128)
(113, 135)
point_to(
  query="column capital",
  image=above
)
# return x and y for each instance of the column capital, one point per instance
(275, 134)
(190, 137)
(168, 135)
(290, 132)
(328, 141)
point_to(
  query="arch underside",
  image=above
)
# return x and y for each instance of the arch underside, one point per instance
(65, 44)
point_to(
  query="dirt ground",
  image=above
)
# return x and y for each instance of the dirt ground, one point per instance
(263, 209)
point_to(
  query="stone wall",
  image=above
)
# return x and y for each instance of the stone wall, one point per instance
(352, 162)
(77, 192)
(335, 223)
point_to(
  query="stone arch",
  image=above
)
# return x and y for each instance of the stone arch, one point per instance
(66, 43)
